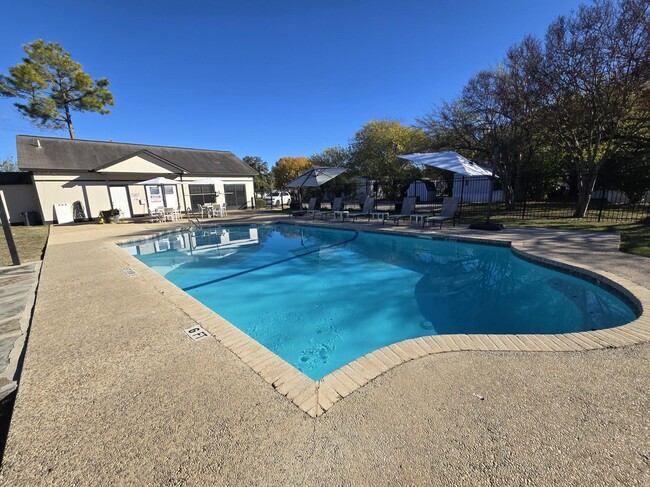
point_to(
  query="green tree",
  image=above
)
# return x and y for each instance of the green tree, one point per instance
(374, 150)
(331, 157)
(289, 168)
(9, 165)
(53, 85)
(263, 182)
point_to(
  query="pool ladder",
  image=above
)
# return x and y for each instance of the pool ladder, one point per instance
(194, 221)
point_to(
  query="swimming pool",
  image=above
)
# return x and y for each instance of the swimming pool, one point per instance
(321, 297)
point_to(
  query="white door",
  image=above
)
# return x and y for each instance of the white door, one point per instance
(171, 198)
(120, 199)
(154, 197)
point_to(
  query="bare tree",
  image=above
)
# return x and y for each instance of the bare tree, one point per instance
(494, 118)
(594, 69)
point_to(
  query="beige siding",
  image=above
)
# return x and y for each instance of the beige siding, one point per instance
(91, 190)
(140, 165)
(20, 198)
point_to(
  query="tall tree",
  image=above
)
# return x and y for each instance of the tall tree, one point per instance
(595, 68)
(53, 86)
(331, 157)
(289, 168)
(263, 182)
(374, 150)
(493, 121)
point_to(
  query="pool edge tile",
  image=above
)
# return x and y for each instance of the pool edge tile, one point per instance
(316, 397)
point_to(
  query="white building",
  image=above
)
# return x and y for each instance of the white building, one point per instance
(93, 176)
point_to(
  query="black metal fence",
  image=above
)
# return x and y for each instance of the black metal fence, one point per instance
(535, 196)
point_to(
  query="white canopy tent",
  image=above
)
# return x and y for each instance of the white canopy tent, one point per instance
(207, 182)
(449, 161)
(315, 177)
(454, 162)
(161, 181)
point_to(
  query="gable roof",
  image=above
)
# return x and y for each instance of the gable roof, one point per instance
(146, 154)
(56, 154)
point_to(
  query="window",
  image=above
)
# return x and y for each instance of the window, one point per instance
(235, 196)
(201, 194)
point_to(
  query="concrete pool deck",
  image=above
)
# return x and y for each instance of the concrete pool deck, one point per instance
(113, 392)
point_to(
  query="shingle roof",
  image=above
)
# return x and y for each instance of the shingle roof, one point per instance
(56, 154)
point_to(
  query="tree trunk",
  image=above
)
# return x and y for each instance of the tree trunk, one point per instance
(586, 184)
(68, 121)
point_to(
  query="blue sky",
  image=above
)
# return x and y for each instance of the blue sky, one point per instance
(266, 78)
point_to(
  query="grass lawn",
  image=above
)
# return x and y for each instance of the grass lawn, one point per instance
(30, 242)
(635, 236)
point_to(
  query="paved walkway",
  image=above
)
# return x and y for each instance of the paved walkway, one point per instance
(17, 293)
(113, 393)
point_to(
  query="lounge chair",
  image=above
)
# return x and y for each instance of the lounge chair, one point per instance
(408, 207)
(336, 206)
(310, 210)
(447, 212)
(368, 206)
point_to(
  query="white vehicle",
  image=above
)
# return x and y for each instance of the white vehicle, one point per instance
(276, 198)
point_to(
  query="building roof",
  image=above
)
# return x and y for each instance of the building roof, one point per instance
(56, 154)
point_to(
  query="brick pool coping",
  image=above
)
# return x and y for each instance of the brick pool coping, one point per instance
(316, 397)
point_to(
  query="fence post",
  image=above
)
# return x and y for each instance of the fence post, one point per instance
(462, 191)
(602, 202)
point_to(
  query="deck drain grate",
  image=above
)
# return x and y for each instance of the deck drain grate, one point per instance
(129, 272)
(197, 333)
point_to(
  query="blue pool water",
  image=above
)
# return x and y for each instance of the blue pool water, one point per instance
(320, 297)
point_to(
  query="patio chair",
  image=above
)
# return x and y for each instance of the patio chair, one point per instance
(368, 206)
(311, 209)
(336, 206)
(408, 207)
(447, 212)
(156, 216)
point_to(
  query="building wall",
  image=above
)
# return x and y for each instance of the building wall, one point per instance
(88, 189)
(91, 190)
(20, 198)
